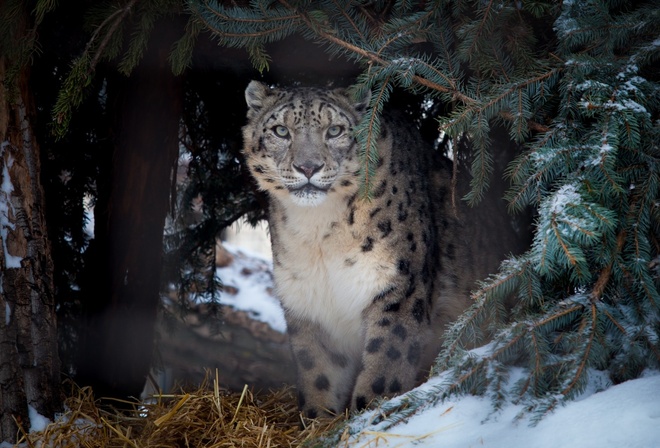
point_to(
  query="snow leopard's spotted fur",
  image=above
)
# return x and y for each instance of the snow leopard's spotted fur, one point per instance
(368, 286)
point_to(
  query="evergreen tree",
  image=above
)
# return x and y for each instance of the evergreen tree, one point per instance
(577, 85)
(587, 289)
(92, 113)
(114, 117)
(29, 363)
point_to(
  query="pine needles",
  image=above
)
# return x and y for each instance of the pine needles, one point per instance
(575, 83)
(584, 99)
(430, 50)
(582, 286)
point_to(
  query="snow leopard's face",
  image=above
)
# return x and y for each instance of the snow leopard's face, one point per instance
(299, 143)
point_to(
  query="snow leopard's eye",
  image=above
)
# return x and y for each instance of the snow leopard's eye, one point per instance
(281, 131)
(335, 131)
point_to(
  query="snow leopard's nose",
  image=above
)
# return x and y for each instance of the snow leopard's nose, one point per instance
(309, 168)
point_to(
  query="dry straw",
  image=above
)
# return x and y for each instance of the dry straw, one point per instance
(207, 417)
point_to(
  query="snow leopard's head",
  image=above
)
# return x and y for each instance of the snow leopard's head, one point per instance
(299, 142)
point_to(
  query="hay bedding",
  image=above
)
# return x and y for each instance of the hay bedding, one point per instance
(207, 417)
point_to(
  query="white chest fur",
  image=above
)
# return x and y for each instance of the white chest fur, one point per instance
(323, 275)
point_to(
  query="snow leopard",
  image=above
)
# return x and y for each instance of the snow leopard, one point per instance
(368, 283)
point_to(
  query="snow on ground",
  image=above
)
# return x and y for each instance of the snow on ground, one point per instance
(37, 421)
(622, 416)
(251, 283)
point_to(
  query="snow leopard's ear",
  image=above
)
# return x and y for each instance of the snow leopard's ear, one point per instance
(256, 95)
(361, 102)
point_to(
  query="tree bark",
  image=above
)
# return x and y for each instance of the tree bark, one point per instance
(29, 362)
(123, 283)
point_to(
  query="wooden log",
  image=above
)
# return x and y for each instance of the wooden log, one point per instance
(242, 349)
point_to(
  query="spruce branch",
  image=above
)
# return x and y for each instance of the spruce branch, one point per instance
(262, 19)
(614, 321)
(606, 273)
(356, 29)
(495, 288)
(367, 133)
(485, 12)
(454, 175)
(116, 18)
(255, 26)
(374, 58)
(588, 321)
(182, 52)
(538, 364)
(72, 93)
(42, 8)
(586, 294)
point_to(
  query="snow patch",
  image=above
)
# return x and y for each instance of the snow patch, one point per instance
(605, 150)
(565, 24)
(627, 414)
(37, 421)
(6, 189)
(626, 105)
(631, 85)
(88, 207)
(591, 84)
(249, 285)
(566, 195)
(406, 63)
(7, 313)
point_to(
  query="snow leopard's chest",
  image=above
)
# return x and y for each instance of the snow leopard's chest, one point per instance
(323, 274)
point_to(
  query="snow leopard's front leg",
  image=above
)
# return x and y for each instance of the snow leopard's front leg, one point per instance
(324, 374)
(396, 338)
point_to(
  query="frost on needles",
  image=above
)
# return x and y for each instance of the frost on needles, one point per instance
(587, 290)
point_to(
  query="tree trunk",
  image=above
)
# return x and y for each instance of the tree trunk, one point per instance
(121, 292)
(29, 363)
